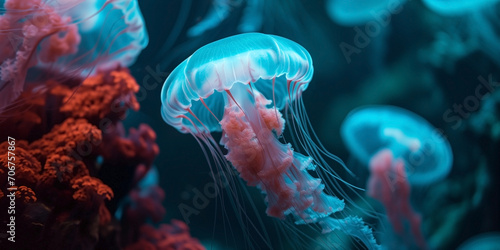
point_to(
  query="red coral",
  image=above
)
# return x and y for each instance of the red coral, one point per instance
(104, 215)
(27, 167)
(62, 168)
(72, 134)
(108, 94)
(139, 147)
(89, 189)
(146, 204)
(58, 170)
(166, 237)
(25, 194)
(56, 167)
(101, 99)
(142, 244)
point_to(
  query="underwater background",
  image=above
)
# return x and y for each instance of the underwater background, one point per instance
(438, 59)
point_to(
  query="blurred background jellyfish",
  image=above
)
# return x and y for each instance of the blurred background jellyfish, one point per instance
(352, 13)
(112, 34)
(486, 241)
(479, 31)
(426, 153)
(217, 13)
(400, 149)
(238, 85)
(69, 38)
(251, 20)
(371, 21)
(459, 7)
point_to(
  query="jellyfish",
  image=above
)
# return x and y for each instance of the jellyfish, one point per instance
(444, 7)
(220, 10)
(425, 151)
(489, 240)
(482, 23)
(352, 13)
(401, 149)
(238, 86)
(217, 13)
(370, 20)
(252, 18)
(70, 38)
(112, 34)
(253, 14)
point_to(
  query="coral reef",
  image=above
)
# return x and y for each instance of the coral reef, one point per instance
(74, 162)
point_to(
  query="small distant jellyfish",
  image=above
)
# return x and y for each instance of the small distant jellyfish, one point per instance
(220, 10)
(238, 85)
(484, 241)
(425, 151)
(400, 149)
(458, 7)
(217, 13)
(482, 24)
(356, 12)
(371, 21)
(70, 38)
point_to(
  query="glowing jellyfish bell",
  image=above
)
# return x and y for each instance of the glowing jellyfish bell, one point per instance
(238, 85)
(112, 34)
(356, 12)
(426, 154)
(457, 7)
(70, 38)
(251, 20)
(482, 20)
(208, 80)
(486, 241)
